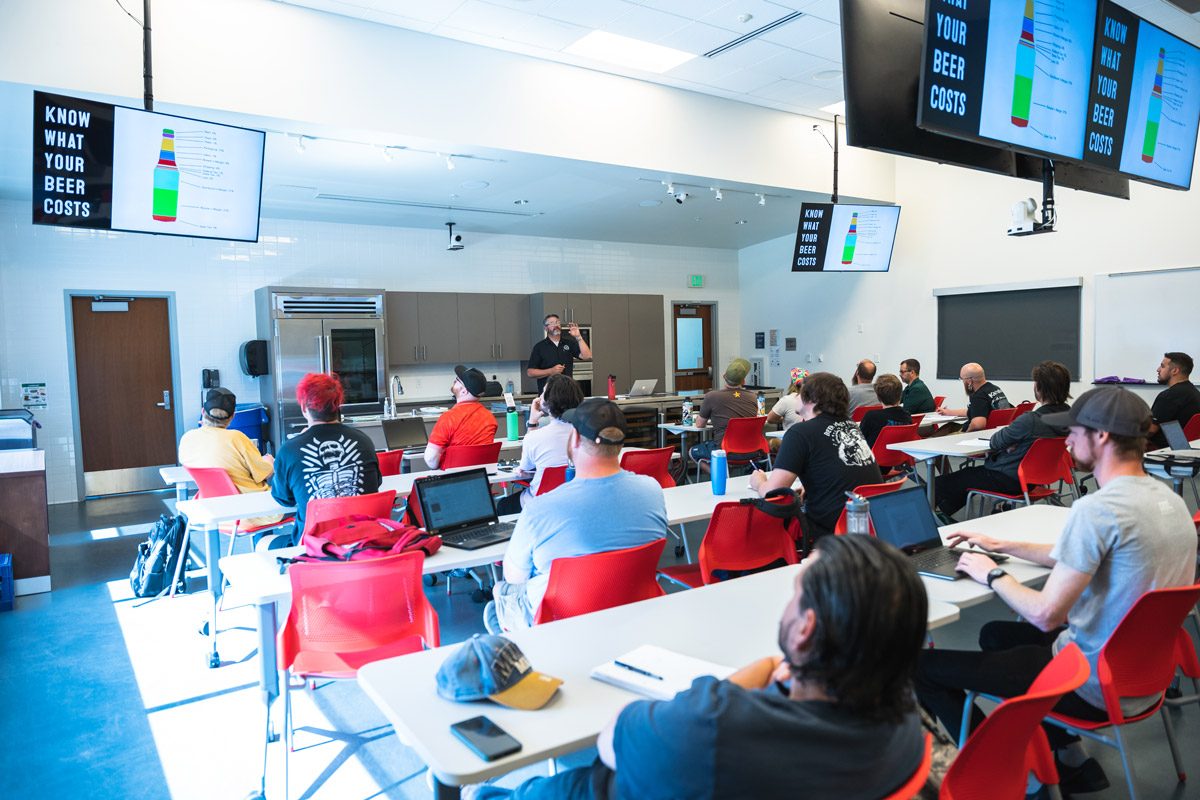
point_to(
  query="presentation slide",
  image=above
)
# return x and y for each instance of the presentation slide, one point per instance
(1037, 77)
(1164, 108)
(861, 238)
(185, 177)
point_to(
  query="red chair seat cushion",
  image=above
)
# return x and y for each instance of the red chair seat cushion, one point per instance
(687, 574)
(320, 664)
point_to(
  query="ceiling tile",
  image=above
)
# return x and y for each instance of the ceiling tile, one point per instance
(700, 70)
(793, 64)
(645, 24)
(798, 31)
(785, 90)
(828, 10)
(691, 9)
(588, 13)
(828, 46)
(425, 10)
(550, 34)
(485, 18)
(397, 21)
(761, 11)
(697, 38)
(744, 81)
(526, 6)
(748, 54)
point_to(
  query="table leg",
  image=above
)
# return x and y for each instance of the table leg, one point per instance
(181, 491)
(929, 482)
(212, 554)
(443, 791)
(683, 455)
(268, 677)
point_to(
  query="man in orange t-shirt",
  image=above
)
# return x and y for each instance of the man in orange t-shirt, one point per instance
(468, 422)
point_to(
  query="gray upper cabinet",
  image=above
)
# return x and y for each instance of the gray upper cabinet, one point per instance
(438, 313)
(579, 309)
(512, 327)
(403, 328)
(451, 327)
(610, 339)
(477, 328)
(647, 346)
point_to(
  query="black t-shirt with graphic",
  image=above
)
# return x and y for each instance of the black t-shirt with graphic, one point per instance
(1179, 402)
(986, 399)
(546, 354)
(331, 460)
(831, 457)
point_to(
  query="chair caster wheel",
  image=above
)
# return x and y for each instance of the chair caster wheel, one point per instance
(214, 660)
(431, 580)
(679, 551)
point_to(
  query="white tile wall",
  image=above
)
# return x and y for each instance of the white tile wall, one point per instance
(214, 285)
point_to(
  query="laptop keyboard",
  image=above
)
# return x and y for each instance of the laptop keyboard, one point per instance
(501, 530)
(933, 560)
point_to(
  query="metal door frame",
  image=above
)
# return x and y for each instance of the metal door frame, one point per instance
(715, 333)
(173, 333)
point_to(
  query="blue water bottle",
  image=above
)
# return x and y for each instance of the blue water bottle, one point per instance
(570, 474)
(720, 471)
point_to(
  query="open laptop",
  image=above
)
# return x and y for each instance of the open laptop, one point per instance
(1177, 441)
(904, 519)
(643, 387)
(458, 507)
(405, 433)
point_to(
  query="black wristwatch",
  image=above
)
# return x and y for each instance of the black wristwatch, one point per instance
(994, 574)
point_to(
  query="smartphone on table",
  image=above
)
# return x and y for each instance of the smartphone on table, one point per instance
(487, 739)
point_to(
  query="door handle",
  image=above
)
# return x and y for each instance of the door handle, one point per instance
(416, 357)
(320, 353)
(493, 351)
(166, 401)
(424, 353)
(501, 346)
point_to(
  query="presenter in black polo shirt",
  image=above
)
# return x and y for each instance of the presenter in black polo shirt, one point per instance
(556, 354)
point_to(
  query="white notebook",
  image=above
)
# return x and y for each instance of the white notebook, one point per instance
(657, 672)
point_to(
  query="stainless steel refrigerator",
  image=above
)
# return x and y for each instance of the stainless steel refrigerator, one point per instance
(340, 332)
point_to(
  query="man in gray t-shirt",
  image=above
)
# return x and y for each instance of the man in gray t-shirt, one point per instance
(1131, 536)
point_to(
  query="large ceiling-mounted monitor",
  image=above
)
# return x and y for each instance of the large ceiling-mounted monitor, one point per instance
(845, 238)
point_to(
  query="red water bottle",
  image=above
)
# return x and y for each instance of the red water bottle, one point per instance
(612, 387)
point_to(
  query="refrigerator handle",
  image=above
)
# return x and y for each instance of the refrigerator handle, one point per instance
(320, 352)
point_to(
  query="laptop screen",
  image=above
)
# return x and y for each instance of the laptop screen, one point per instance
(455, 500)
(903, 519)
(405, 432)
(1176, 439)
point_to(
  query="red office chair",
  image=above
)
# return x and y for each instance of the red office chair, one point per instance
(552, 478)
(1138, 660)
(1024, 407)
(912, 787)
(999, 417)
(470, 455)
(389, 462)
(893, 463)
(939, 401)
(1189, 665)
(1010, 743)
(739, 538)
(327, 513)
(655, 463)
(597, 581)
(215, 482)
(742, 443)
(917, 418)
(1045, 463)
(857, 414)
(347, 615)
(867, 490)
(1192, 429)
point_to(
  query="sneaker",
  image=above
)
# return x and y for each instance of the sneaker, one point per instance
(1087, 777)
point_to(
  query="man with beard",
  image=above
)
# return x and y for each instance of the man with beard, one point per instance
(984, 397)
(556, 354)
(831, 717)
(1131, 536)
(604, 508)
(1180, 401)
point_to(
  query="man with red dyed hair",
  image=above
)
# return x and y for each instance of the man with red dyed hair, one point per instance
(328, 459)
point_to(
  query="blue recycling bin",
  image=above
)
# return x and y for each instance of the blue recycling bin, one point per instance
(252, 420)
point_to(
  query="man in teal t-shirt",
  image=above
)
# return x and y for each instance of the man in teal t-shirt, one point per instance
(916, 398)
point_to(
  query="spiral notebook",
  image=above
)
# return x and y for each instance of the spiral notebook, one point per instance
(657, 672)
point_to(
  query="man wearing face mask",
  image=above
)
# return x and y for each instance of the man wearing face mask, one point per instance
(984, 398)
(556, 354)
(467, 422)
(604, 508)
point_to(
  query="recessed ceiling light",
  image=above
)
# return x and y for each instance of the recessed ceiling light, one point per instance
(838, 108)
(474, 185)
(697, 219)
(626, 52)
(650, 203)
(827, 75)
(520, 202)
(740, 222)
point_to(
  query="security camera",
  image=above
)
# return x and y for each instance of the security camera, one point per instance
(455, 242)
(681, 197)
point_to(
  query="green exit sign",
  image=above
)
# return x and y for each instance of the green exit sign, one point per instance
(695, 281)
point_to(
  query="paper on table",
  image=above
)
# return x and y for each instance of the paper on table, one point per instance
(976, 444)
(676, 670)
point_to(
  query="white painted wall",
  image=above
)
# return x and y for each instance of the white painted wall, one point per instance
(952, 234)
(214, 284)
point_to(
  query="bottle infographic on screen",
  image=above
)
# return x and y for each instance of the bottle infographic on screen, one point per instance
(851, 241)
(1023, 71)
(1154, 111)
(166, 180)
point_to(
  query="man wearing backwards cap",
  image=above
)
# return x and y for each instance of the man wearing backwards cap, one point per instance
(467, 422)
(1131, 536)
(604, 508)
(721, 405)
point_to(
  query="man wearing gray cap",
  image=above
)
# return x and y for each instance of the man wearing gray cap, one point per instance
(1131, 536)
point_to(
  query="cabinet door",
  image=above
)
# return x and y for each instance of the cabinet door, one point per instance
(512, 327)
(647, 348)
(403, 328)
(438, 313)
(579, 309)
(476, 328)
(610, 342)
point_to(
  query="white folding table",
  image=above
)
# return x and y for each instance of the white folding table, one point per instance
(960, 445)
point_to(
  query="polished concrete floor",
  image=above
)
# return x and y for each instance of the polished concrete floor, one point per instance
(106, 696)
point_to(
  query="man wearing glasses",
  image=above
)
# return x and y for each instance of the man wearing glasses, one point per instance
(916, 398)
(556, 354)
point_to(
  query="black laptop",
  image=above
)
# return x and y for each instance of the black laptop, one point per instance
(1177, 441)
(458, 507)
(904, 519)
(405, 433)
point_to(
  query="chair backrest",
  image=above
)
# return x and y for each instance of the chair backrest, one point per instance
(655, 463)
(892, 434)
(470, 455)
(1140, 656)
(343, 607)
(998, 417)
(552, 478)
(939, 401)
(912, 787)
(1192, 429)
(857, 414)
(745, 435)
(1045, 463)
(1023, 407)
(740, 537)
(211, 482)
(389, 462)
(1010, 743)
(917, 418)
(867, 490)
(598, 581)
(323, 514)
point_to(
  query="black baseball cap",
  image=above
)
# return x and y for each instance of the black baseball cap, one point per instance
(473, 379)
(494, 668)
(220, 403)
(596, 415)
(1106, 408)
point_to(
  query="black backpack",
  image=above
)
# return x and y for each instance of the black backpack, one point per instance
(158, 556)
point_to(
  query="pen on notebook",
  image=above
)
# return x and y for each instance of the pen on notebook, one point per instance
(638, 670)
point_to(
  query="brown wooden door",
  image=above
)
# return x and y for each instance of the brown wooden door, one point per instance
(692, 358)
(122, 370)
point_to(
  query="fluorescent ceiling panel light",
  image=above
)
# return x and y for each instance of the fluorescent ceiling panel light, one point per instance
(626, 52)
(838, 108)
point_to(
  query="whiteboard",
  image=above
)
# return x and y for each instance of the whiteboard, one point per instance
(1141, 315)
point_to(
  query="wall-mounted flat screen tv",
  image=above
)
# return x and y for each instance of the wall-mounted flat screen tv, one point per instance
(845, 238)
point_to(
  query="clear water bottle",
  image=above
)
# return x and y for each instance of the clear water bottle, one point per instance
(858, 514)
(762, 404)
(508, 386)
(719, 466)
(686, 418)
(387, 408)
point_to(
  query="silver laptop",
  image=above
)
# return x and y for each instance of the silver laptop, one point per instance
(405, 433)
(904, 519)
(643, 387)
(1177, 441)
